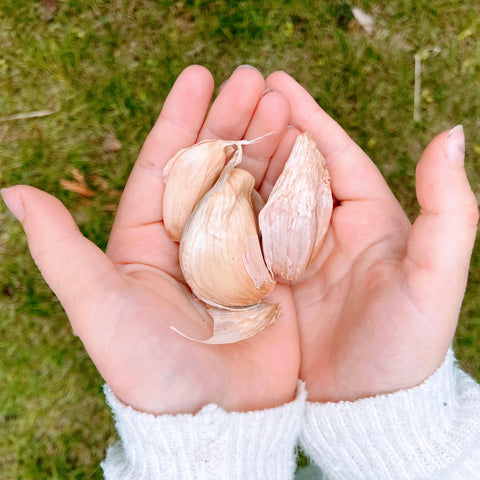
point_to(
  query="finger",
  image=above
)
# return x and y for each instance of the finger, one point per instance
(177, 127)
(234, 106)
(73, 267)
(442, 237)
(353, 175)
(270, 118)
(277, 162)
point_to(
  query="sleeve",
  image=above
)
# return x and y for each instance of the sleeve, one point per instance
(212, 444)
(431, 431)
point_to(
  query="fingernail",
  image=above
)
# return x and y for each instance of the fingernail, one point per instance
(247, 66)
(221, 86)
(454, 145)
(268, 90)
(14, 203)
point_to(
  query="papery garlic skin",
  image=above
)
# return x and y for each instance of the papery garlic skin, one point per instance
(233, 325)
(188, 177)
(220, 254)
(296, 217)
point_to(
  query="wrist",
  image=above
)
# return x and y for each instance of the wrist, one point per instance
(208, 445)
(421, 432)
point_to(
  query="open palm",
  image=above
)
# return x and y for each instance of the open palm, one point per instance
(123, 303)
(378, 308)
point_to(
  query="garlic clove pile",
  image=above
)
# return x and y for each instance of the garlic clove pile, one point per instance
(212, 208)
(220, 254)
(296, 217)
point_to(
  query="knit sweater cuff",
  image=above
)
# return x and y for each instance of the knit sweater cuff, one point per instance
(212, 444)
(431, 431)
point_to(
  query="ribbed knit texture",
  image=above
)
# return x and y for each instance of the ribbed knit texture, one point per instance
(211, 444)
(431, 431)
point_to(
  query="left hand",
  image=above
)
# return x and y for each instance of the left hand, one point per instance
(378, 308)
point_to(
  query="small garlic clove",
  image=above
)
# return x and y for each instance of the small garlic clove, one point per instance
(188, 176)
(233, 325)
(220, 254)
(296, 217)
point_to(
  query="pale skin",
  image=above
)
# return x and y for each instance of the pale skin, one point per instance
(375, 313)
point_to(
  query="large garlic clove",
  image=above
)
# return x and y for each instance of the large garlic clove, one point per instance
(296, 217)
(220, 254)
(188, 177)
(233, 325)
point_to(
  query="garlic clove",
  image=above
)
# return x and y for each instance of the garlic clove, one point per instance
(220, 254)
(234, 325)
(188, 176)
(296, 217)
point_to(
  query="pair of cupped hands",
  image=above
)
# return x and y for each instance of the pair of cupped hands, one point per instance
(375, 312)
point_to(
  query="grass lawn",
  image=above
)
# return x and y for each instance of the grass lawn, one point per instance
(104, 68)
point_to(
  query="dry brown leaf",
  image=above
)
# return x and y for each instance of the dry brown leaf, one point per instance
(49, 9)
(99, 181)
(78, 185)
(77, 175)
(103, 185)
(75, 187)
(111, 143)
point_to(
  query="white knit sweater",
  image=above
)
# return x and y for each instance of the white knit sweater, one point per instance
(431, 431)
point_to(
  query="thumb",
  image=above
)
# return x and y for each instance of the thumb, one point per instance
(443, 235)
(76, 270)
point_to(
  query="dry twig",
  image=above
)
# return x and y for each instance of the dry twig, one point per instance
(22, 116)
